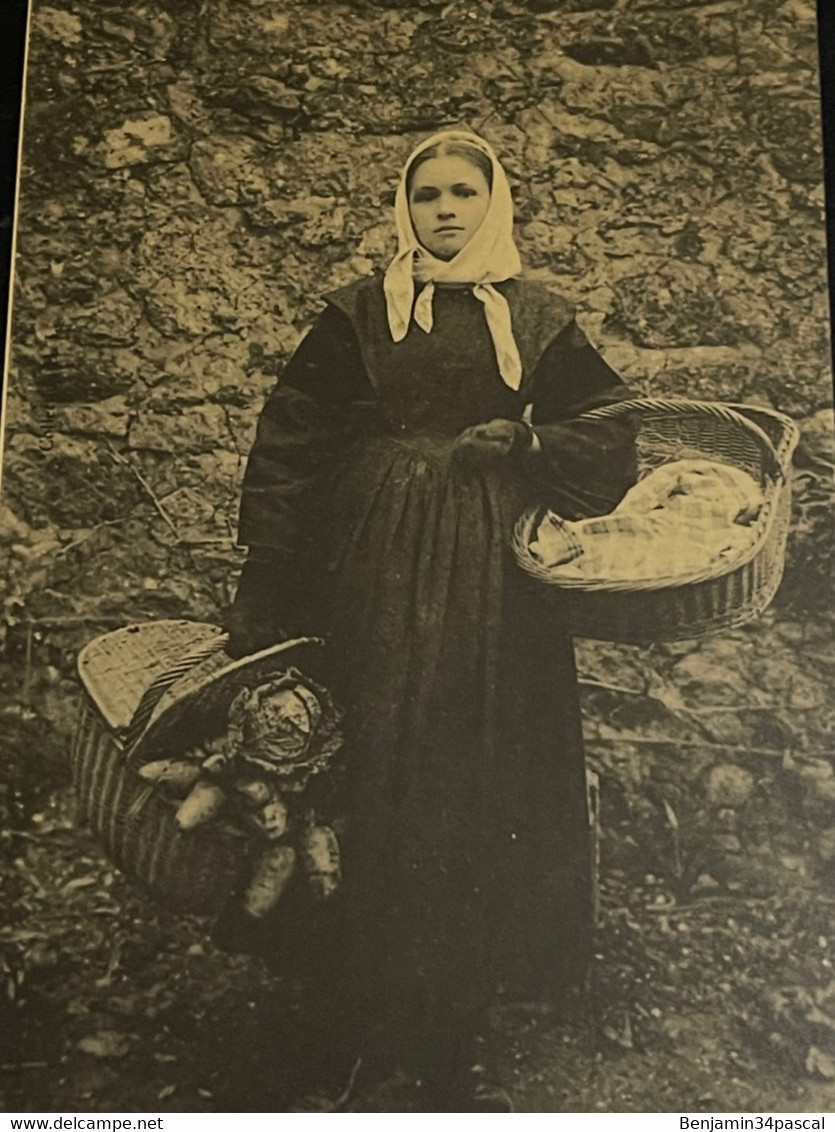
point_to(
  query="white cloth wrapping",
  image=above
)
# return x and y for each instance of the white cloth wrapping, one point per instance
(489, 257)
(685, 516)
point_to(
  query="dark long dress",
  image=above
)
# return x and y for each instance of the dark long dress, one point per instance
(467, 857)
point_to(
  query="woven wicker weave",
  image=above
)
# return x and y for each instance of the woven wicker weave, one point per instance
(198, 871)
(756, 440)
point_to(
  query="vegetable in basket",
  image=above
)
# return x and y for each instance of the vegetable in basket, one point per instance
(321, 859)
(279, 734)
(270, 878)
(204, 802)
(176, 775)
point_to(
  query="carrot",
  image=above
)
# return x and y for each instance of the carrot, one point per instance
(204, 802)
(176, 775)
(273, 818)
(270, 878)
(320, 855)
(255, 790)
(215, 765)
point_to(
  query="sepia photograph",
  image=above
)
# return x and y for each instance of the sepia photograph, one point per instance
(417, 651)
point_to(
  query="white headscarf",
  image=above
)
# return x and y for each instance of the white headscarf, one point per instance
(490, 256)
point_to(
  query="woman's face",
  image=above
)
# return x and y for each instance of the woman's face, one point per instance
(448, 200)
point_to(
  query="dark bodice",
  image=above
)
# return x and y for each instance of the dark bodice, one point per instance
(446, 380)
(349, 383)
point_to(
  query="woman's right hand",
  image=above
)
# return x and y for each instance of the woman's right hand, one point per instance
(252, 620)
(494, 440)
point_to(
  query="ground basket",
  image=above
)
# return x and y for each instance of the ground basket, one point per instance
(149, 689)
(674, 607)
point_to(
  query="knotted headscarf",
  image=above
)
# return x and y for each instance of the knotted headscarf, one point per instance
(490, 256)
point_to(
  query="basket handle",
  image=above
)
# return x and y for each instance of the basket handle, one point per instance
(711, 408)
(160, 685)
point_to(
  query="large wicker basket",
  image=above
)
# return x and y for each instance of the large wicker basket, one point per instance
(122, 722)
(754, 439)
(155, 688)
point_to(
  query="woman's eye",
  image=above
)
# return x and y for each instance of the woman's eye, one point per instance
(463, 191)
(420, 196)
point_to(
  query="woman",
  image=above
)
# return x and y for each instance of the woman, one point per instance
(389, 467)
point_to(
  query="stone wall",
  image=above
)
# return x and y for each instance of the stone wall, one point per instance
(195, 175)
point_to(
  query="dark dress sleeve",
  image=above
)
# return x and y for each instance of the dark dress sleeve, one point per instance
(584, 467)
(307, 420)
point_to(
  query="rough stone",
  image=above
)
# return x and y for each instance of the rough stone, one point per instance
(67, 481)
(228, 170)
(186, 104)
(819, 797)
(195, 516)
(58, 25)
(825, 845)
(200, 428)
(729, 786)
(110, 317)
(137, 141)
(816, 769)
(704, 883)
(625, 51)
(105, 418)
(675, 305)
(73, 374)
(817, 438)
(804, 693)
(174, 308)
(285, 213)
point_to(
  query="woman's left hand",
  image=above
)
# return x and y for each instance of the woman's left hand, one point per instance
(483, 443)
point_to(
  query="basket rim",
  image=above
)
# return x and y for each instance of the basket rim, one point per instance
(735, 411)
(176, 709)
(214, 678)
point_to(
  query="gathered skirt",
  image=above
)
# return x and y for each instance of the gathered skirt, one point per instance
(466, 852)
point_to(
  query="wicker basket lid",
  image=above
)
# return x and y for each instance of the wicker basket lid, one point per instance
(119, 668)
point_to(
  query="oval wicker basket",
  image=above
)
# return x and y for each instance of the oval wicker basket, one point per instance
(689, 605)
(191, 684)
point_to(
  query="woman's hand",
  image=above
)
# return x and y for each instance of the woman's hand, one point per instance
(252, 620)
(495, 440)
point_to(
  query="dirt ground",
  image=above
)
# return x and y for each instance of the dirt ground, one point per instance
(195, 175)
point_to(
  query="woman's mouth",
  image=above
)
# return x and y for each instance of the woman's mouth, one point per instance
(448, 230)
